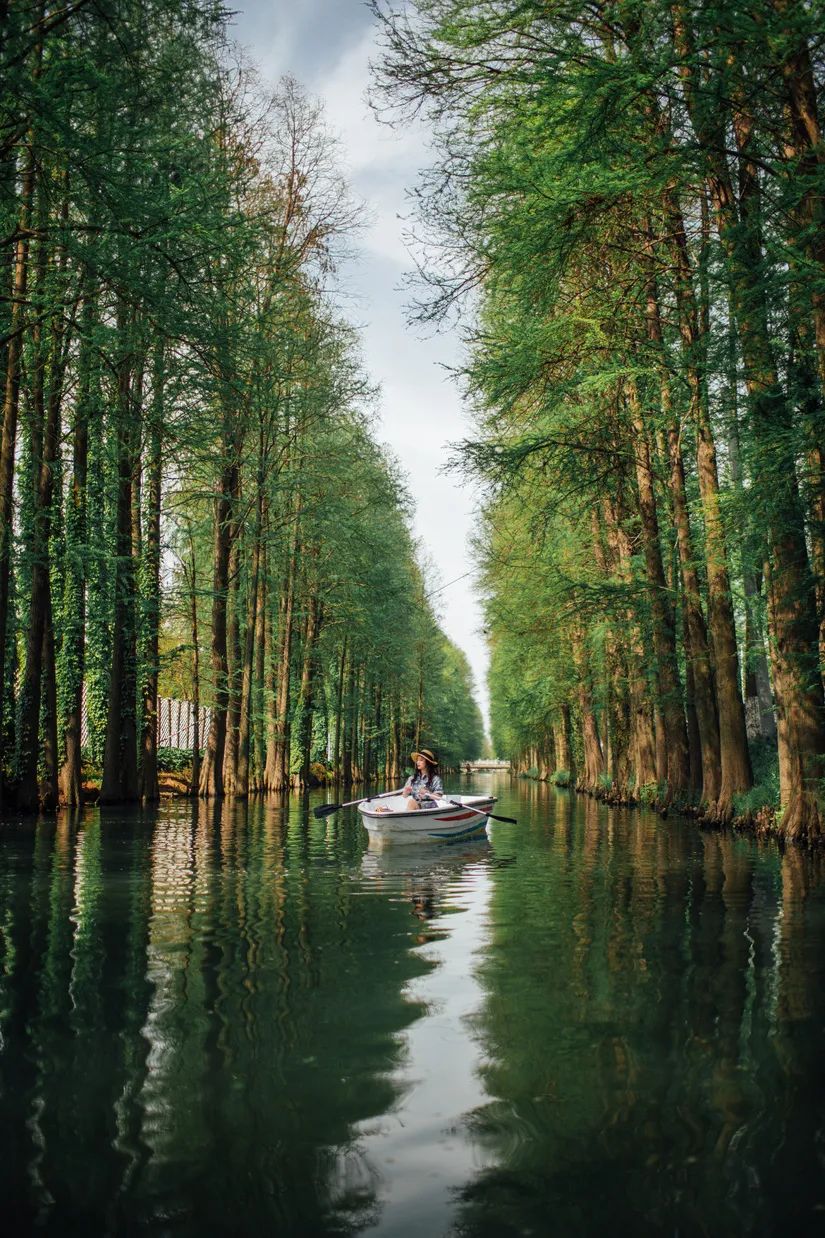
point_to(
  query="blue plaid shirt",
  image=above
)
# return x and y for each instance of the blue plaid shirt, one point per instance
(421, 786)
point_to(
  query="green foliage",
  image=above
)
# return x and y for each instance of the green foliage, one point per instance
(190, 229)
(764, 793)
(633, 198)
(175, 760)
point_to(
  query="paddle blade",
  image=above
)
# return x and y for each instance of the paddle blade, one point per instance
(509, 820)
(325, 810)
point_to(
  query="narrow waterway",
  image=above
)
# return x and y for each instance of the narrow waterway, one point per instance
(238, 1019)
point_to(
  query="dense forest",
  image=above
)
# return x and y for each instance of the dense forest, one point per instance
(626, 212)
(192, 499)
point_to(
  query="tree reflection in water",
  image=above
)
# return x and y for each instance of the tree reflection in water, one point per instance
(652, 1033)
(603, 1022)
(175, 994)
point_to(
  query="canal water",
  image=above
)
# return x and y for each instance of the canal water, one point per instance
(221, 1019)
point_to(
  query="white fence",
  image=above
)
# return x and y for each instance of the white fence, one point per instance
(176, 723)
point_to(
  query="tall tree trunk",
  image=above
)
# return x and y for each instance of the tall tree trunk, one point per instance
(211, 773)
(698, 653)
(277, 757)
(618, 711)
(307, 687)
(258, 743)
(736, 774)
(150, 589)
(591, 743)
(11, 402)
(194, 782)
(664, 636)
(372, 769)
(759, 717)
(419, 709)
(339, 710)
(234, 663)
(48, 714)
(244, 720)
(120, 764)
(349, 724)
(73, 652)
(797, 678)
(805, 149)
(692, 720)
(355, 728)
(703, 696)
(49, 787)
(643, 740)
(46, 402)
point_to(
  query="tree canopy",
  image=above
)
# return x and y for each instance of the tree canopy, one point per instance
(193, 500)
(626, 213)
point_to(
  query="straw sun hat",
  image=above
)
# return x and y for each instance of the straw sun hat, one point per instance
(428, 756)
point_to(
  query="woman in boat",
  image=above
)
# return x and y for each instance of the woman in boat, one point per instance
(425, 782)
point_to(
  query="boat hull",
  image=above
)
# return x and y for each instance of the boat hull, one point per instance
(390, 820)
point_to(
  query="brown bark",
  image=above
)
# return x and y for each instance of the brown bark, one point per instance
(339, 710)
(664, 636)
(702, 697)
(698, 653)
(234, 664)
(258, 742)
(660, 741)
(394, 770)
(356, 726)
(759, 719)
(277, 757)
(11, 398)
(643, 741)
(419, 707)
(244, 722)
(120, 769)
(211, 773)
(39, 672)
(564, 733)
(802, 753)
(194, 782)
(150, 589)
(735, 765)
(618, 728)
(373, 728)
(74, 631)
(594, 766)
(805, 149)
(692, 720)
(797, 679)
(816, 529)
(349, 724)
(49, 787)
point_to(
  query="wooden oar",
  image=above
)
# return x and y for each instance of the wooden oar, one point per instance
(326, 810)
(482, 813)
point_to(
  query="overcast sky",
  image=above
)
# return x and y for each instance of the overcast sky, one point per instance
(327, 46)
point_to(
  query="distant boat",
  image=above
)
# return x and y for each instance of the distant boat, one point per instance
(389, 819)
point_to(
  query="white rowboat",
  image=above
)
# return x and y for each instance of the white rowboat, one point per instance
(389, 820)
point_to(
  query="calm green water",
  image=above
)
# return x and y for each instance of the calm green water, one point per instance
(242, 1020)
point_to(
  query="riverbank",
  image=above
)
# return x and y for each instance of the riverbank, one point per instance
(760, 816)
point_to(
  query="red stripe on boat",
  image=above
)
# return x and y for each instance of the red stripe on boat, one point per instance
(464, 816)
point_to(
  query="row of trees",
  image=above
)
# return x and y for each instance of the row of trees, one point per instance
(633, 192)
(190, 494)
